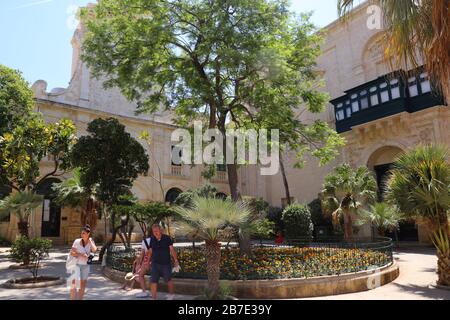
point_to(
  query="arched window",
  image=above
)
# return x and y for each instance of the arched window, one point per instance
(172, 195)
(51, 211)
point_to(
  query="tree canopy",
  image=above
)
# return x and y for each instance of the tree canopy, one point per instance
(109, 158)
(239, 63)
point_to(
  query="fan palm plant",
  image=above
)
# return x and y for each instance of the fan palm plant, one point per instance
(212, 220)
(384, 217)
(21, 204)
(416, 30)
(349, 190)
(420, 187)
(71, 192)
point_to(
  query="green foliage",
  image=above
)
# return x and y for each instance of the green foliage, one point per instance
(346, 190)
(383, 216)
(212, 219)
(20, 204)
(27, 145)
(185, 199)
(30, 252)
(420, 184)
(297, 222)
(318, 216)
(149, 213)
(250, 61)
(16, 100)
(109, 159)
(263, 229)
(71, 191)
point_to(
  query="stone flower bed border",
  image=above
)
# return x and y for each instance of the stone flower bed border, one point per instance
(10, 284)
(286, 288)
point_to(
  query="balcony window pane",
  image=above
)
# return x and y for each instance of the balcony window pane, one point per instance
(363, 93)
(373, 89)
(348, 111)
(340, 115)
(374, 100)
(355, 106)
(413, 91)
(383, 85)
(426, 86)
(394, 82)
(364, 103)
(395, 92)
(354, 96)
(384, 96)
(339, 105)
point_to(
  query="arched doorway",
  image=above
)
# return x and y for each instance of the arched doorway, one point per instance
(172, 195)
(381, 162)
(51, 211)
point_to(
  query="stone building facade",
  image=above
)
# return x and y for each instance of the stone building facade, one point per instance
(379, 114)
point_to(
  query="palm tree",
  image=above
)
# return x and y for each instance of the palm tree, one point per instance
(416, 26)
(420, 187)
(212, 220)
(384, 217)
(71, 192)
(22, 205)
(348, 189)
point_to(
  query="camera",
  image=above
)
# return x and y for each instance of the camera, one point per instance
(90, 258)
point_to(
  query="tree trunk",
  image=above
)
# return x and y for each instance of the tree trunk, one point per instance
(348, 226)
(212, 251)
(233, 182)
(444, 269)
(245, 243)
(285, 181)
(22, 226)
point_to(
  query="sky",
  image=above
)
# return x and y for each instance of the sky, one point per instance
(35, 35)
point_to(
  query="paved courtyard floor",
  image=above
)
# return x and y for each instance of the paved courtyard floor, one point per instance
(417, 276)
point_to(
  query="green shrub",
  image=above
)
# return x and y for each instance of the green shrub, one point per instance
(30, 251)
(297, 222)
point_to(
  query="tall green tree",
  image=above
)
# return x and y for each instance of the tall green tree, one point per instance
(109, 160)
(416, 30)
(348, 190)
(16, 100)
(225, 61)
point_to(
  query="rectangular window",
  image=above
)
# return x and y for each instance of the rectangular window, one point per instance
(374, 100)
(364, 103)
(395, 92)
(176, 162)
(355, 106)
(340, 115)
(384, 96)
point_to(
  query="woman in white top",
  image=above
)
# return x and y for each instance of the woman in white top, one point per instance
(82, 249)
(143, 259)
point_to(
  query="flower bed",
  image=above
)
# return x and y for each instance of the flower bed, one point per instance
(271, 262)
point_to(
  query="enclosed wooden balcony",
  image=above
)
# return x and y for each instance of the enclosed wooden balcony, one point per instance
(388, 95)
